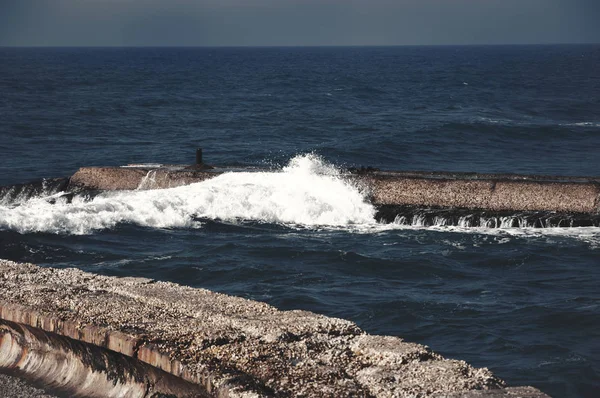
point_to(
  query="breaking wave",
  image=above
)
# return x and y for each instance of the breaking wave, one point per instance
(307, 191)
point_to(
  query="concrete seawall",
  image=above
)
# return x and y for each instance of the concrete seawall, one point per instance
(82, 369)
(485, 200)
(221, 345)
(493, 192)
(129, 178)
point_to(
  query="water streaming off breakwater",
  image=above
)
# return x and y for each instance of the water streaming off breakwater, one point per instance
(523, 301)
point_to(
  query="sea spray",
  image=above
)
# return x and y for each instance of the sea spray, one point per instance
(308, 192)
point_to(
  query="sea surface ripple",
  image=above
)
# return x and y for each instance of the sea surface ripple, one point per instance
(522, 301)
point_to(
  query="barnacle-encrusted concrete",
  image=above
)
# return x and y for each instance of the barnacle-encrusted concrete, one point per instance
(11, 387)
(494, 192)
(489, 192)
(129, 178)
(230, 346)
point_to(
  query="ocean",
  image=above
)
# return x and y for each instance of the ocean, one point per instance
(524, 302)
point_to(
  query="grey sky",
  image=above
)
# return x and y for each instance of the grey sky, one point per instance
(296, 22)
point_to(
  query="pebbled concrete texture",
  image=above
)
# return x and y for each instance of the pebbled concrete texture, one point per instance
(230, 346)
(494, 192)
(489, 194)
(129, 178)
(11, 387)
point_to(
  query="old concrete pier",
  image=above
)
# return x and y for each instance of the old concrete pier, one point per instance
(137, 177)
(496, 192)
(388, 189)
(91, 335)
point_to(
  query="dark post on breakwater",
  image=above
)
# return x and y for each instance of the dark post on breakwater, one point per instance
(199, 156)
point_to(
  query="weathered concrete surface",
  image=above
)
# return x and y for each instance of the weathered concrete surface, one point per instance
(506, 192)
(474, 192)
(11, 387)
(231, 346)
(83, 370)
(129, 178)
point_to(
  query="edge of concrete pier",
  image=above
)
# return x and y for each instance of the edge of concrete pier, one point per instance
(210, 344)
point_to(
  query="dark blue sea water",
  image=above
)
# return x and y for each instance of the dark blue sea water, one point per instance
(523, 302)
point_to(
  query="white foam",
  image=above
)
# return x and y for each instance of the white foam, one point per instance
(583, 124)
(588, 235)
(134, 165)
(307, 192)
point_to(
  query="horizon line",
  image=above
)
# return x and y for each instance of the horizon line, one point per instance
(307, 46)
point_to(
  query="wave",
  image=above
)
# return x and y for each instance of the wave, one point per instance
(527, 122)
(306, 192)
(589, 236)
(21, 193)
(583, 124)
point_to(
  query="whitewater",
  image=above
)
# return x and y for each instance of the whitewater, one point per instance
(523, 301)
(307, 193)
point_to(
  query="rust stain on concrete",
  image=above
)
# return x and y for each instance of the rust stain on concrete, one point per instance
(81, 369)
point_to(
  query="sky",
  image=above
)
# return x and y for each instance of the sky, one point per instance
(296, 22)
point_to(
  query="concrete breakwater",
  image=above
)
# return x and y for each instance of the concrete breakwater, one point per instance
(407, 198)
(124, 178)
(65, 327)
(540, 200)
(486, 191)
